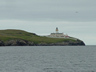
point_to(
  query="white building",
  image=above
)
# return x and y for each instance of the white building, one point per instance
(58, 35)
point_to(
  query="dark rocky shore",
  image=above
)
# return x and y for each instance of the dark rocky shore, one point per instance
(20, 42)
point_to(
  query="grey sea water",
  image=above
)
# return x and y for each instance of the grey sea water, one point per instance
(48, 59)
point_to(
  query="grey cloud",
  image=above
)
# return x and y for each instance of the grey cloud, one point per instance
(48, 9)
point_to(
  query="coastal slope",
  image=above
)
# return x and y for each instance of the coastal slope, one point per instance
(13, 37)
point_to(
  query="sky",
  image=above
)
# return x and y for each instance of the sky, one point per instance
(77, 18)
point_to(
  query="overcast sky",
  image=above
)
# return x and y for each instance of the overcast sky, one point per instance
(77, 18)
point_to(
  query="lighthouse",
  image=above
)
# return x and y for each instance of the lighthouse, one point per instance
(56, 29)
(57, 34)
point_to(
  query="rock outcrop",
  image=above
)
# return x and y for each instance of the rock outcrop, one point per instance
(70, 43)
(1, 43)
(20, 42)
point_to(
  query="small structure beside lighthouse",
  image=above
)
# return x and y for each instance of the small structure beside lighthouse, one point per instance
(57, 34)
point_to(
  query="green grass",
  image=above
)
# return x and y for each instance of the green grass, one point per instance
(6, 35)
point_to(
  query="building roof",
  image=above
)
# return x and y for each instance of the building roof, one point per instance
(56, 33)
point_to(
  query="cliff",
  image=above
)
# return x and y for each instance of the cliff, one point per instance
(23, 38)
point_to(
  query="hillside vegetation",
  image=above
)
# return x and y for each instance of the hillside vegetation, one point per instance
(7, 35)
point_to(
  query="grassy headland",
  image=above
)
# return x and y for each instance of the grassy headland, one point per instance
(10, 34)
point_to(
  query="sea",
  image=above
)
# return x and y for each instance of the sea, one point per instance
(48, 58)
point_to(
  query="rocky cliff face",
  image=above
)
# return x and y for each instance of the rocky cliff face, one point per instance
(69, 43)
(17, 42)
(20, 42)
